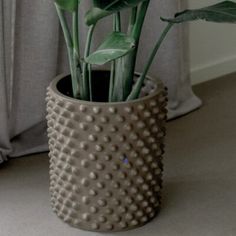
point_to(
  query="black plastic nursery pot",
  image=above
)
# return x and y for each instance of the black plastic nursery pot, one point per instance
(105, 158)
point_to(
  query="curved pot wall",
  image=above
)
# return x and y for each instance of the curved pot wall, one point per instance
(106, 159)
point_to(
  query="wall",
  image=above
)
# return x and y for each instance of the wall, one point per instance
(212, 47)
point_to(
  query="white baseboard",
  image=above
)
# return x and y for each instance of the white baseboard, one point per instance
(213, 70)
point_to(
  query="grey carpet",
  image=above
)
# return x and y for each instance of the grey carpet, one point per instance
(199, 197)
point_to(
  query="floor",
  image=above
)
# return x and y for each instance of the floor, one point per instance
(199, 197)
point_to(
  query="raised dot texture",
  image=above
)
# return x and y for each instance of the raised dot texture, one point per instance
(92, 157)
(140, 143)
(98, 128)
(128, 109)
(128, 127)
(112, 110)
(122, 209)
(155, 111)
(85, 200)
(92, 192)
(82, 108)
(106, 139)
(97, 110)
(102, 219)
(100, 166)
(129, 216)
(153, 103)
(113, 129)
(109, 211)
(84, 145)
(134, 154)
(102, 202)
(129, 200)
(128, 183)
(114, 148)
(134, 222)
(108, 176)
(144, 203)
(122, 175)
(83, 126)
(152, 121)
(86, 217)
(85, 163)
(109, 226)
(141, 125)
(147, 114)
(93, 175)
(146, 133)
(134, 190)
(107, 157)
(139, 213)
(109, 194)
(116, 218)
(104, 119)
(92, 138)
(144, 219)
(139, 162)
(93, 209)
(115, 167)
(123, 225)
(134, 117)
(106, 160)
(141, 107)
(95, 226)
(116, 202)
(120, 118)
(134, 136)
(100, 185)
(121, 138)
(99, 148)
(85, 182)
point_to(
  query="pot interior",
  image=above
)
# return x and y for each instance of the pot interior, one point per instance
(100, 86)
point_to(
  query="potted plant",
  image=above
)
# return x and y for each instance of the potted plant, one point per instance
(106, 128)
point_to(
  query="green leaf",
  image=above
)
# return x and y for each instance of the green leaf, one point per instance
(224, 12)
(95, 14)
(68, 5)
(115, 46)
(104, 8)
(116, 5)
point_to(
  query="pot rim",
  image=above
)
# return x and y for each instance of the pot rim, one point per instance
(159, 88)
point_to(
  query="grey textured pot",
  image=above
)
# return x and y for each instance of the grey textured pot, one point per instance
(106, 158)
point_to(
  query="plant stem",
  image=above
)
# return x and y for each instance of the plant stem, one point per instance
(76, 49)
(140, 20)
(133, 19)
(116, 27)
(75, 32)
(117, 22)
(126, 65)
(87, 86)
(90, 82)
(138, 86)
(64, 26)
(69, 44)
(112, 80)
(75, 27)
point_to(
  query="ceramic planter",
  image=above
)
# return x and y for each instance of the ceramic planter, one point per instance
(106, 158)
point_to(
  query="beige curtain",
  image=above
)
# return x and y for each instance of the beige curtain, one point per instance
(32, 52)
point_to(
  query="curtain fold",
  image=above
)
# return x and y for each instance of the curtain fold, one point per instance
(32, 52)
(5, 146)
